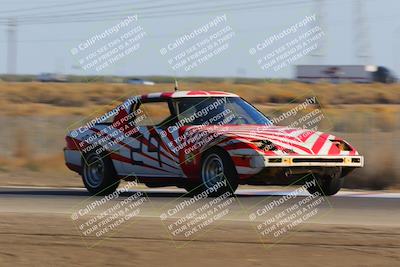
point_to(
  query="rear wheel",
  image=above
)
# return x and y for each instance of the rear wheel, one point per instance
(218, 174)
(98, 174)
(327, 185)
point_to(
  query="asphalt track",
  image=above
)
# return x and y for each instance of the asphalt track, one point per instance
(37, 228)
(347, 207)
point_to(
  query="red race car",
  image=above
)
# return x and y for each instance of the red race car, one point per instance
(204, 140)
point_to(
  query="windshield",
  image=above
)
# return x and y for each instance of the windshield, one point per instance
(218, 111)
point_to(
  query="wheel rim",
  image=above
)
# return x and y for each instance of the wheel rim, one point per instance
(212, 171)
(94, 171)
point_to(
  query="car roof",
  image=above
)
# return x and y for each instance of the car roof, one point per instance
(184, 94)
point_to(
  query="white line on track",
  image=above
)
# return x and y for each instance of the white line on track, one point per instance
(360, 194)
(246, 192)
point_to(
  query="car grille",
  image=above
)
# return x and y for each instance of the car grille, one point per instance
(323, 160)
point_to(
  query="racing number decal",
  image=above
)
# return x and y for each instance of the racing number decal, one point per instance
(150, 148)
(155, 148)
(137, 150)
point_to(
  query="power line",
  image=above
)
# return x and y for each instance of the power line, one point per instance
(75, 3)
(168, 13)
(150, 36)
(100, 10)
(79, 9)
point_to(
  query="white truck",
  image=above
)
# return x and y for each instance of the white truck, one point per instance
(344, 73)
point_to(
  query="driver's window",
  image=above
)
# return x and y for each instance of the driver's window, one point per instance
(151, 113)
(202, 110)
(236, 113)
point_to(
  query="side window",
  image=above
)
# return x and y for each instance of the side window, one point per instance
(151, 113)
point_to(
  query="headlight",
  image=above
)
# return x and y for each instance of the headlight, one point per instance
(265, 145)
(342, 145)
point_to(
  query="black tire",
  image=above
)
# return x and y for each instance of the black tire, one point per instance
(327, 185)
(101, 166)
(227, 180)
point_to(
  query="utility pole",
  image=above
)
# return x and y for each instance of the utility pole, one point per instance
(396, 43)
(12, 46)
(361, 33)
(319, 53)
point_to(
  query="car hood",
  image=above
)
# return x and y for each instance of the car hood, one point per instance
(287, 140)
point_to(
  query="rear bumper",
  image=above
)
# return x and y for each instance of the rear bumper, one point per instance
(304, 161)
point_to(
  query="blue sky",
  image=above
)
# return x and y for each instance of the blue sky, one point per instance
(46, 47)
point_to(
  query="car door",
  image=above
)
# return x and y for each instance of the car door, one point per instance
(147, 148)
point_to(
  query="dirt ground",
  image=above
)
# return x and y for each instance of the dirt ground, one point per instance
(43, 240)
(63, 178)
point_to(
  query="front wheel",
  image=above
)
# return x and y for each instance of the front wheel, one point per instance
(218, 174)
(327, 185)
(98, 174)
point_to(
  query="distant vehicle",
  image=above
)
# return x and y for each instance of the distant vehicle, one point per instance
(139, 81)
(343, 73)
(51, 77)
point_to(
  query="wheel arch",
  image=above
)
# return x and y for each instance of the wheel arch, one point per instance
(105, 154)
(218, 149)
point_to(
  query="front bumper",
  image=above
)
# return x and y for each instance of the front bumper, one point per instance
(304, 161)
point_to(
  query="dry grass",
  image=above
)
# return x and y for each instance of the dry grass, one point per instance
(20, 98)
(92, 99)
